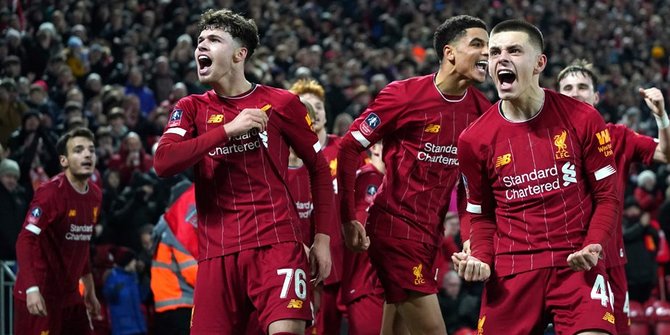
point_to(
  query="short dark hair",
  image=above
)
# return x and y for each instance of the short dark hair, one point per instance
(534, 34)
(61, 145)
(579, 66)
(452, 29)
(243, 30)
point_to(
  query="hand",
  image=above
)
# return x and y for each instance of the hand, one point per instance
(645, 219)
(35, 304)
(471, 268)
(92, 305)
(654, 99)
(247, 119)
(457, 258)
(354, 236)
(466, 247)
(586, 258)
(319, 258)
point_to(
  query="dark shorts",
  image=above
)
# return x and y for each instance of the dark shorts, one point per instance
(273, 280)
(619, 283)
(404, 265)
(365, 315)
(526, 302)
(68, 320)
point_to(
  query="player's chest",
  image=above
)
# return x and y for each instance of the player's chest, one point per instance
(78, 220)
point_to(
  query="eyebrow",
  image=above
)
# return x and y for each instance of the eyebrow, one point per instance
(477, 39)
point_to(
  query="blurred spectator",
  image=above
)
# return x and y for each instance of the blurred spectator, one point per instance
(136, 86)
(360, 99)
(459, 309)
(11, 109)
(342, 123)
(641, 241)
(162, 79)
(647, 196)
(122, 293)
(131, 158)
(13, 206)
(117, 123)
(38, 98)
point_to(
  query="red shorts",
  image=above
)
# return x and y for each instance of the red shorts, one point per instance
(274, 280)
(68, 320)
(365, 315)
(404, 265)
(526, 302)
(619, 283)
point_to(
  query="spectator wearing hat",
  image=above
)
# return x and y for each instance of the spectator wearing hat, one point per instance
(38, 99)
(11, 67)
(122, 293)
(13, 206)
(39, 50)
(11, 109)
(76, 57)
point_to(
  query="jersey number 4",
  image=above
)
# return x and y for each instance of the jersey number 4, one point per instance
(298, 277)
(602, 291)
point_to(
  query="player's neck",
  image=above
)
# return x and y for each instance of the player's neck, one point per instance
(233, 86)
(525, 106)
(294, 161)
(80, 185)
(449, 82)
(323, 137)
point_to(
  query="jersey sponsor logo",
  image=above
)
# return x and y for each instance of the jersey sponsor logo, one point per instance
(72, 213)
(175, 118)
(609, 317)
(539, 181)
(503, 160)
(561, 147)
(371, 190)
(434, 153)
(79, 233)
(418, 276)
(216, 118)
(240, 144)
(295, 303)
(604, 143)
(304, 209)
(433, 128)
(480, 325)
(370, 124)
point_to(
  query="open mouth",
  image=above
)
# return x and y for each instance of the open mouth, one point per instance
(87, 164)
(482, 65)
(506, 78)
(204, 62)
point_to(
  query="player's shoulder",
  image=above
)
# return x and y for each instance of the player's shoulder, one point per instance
(278, 96)
(333, 139)
(578, 110)
(484, 124)
(195, 99)
(95, 190)
(412, 86)
(367, 169)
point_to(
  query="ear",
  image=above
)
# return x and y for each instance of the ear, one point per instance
(596, 98)
(63, 161)
(540, 64)
(448, 53)
(240, 54)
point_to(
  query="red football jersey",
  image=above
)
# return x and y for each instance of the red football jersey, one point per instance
(629, 147)
(420, 128)
(53, 246)
(541, 189)
(241, 196)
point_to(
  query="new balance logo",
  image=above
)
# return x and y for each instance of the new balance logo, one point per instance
(72, 213)
(294, 303)
(603, 137)
(216, 118)
(609, 317)
(432, 128)
(503, 160)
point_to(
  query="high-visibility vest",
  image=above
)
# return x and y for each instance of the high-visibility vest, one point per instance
(173, 271)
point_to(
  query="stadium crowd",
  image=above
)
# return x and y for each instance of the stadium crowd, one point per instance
(118, 68)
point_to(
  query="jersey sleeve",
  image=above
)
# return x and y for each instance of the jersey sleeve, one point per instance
(643, 146)
(600, 172)
(377, 121)
(180, 147)
(367, 185)
(41, 214)
(306, 144)
(480, 204)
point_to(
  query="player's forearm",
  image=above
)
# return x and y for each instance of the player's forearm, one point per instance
(173, 156)
(27, 251)
(89, 285)
(603, 221)
(322, 192)
(662, 154)
(347, 163)
(463, 216)
(483, 230)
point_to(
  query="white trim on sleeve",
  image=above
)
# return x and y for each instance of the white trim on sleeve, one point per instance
(33, 229)
(32, 289)
(474, 209)
(176, 130)
(360, 138)
(604, 172)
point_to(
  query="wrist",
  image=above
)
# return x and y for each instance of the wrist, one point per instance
(33, 289)
(662, 121)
